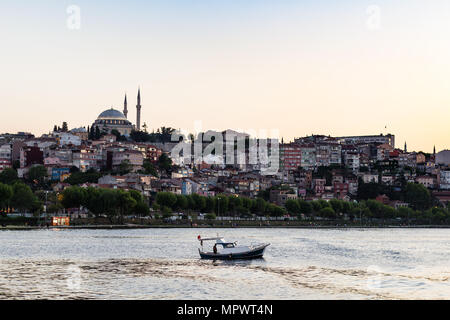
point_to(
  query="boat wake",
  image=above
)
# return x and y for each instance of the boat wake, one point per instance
(181, 279)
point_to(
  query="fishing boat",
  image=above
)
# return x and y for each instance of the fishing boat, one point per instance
(223, 250)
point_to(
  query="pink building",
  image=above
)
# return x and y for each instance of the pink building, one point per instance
(340, 190)
(319, 185)
(291, 156)
(427, 181)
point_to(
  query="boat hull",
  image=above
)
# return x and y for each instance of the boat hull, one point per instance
(252, 254)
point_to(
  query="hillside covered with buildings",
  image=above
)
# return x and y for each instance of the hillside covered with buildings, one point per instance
(318, 176)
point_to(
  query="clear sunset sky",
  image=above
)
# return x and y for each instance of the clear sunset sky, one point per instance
(301, 67)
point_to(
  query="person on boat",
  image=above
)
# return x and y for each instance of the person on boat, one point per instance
(215, 249)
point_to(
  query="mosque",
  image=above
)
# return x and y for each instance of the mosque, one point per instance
(113, 119)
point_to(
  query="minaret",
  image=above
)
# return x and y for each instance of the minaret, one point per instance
(406, 149)
(138, 111)
(125, 110)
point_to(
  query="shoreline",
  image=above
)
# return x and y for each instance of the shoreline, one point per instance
(163, 226)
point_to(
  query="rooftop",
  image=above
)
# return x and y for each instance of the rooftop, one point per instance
(112, 114)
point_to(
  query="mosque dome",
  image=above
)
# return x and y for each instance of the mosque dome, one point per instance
(113, 119)
(111, 114)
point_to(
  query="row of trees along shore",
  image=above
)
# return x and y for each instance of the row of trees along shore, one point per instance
(110, 202)
(118, 203)
(28, 196)
(18, 196)
(333, 209)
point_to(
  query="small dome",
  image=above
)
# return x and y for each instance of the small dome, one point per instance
(112, 114)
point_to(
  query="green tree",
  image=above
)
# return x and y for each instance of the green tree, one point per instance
(65, 127)
(243, 211)
(191, 202)
(91, 134)
(119, 137)
(74, 169)
(37, 174)
(292, 206)
(388, 212)
(166, 133)
(164, 162)
(260, 206)
(74, 197)
(116, 133)
(155, 206)
(136, 195)
(346, 206)
(336, 205)
(305, 206)
(97, 135)
(221, 204)
(166, 211)
(23, 197)
(375, 207)
(275, 211)
(92, 200)
(167, 199)
(369, 190)
(210, 216)
(327, 212)
(182, 202)
(418, 196)
(91, 176)
(125, 203)
(6, 193)
(109, 203)
(247, 203)
(54, 208)
(316, 206)
(405, 213)
(323, 203)
(16, 164)
(8, 176)
(142, 208)
(439, 215)
(233, 203)
(163, 135)
(209, 205)
(149, 168)
(199, 202)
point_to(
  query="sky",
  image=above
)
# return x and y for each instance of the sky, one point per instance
(299, 67)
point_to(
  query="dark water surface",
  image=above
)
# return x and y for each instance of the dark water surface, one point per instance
(164, 264)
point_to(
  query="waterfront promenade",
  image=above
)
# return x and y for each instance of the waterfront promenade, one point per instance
(247, 224)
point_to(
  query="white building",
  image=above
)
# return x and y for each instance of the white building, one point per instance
(368, 178)
(5, 156)
(351, 160)
(86, 159)
(388, 180)
(445, 179)
(66, 138)
(388, 138)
